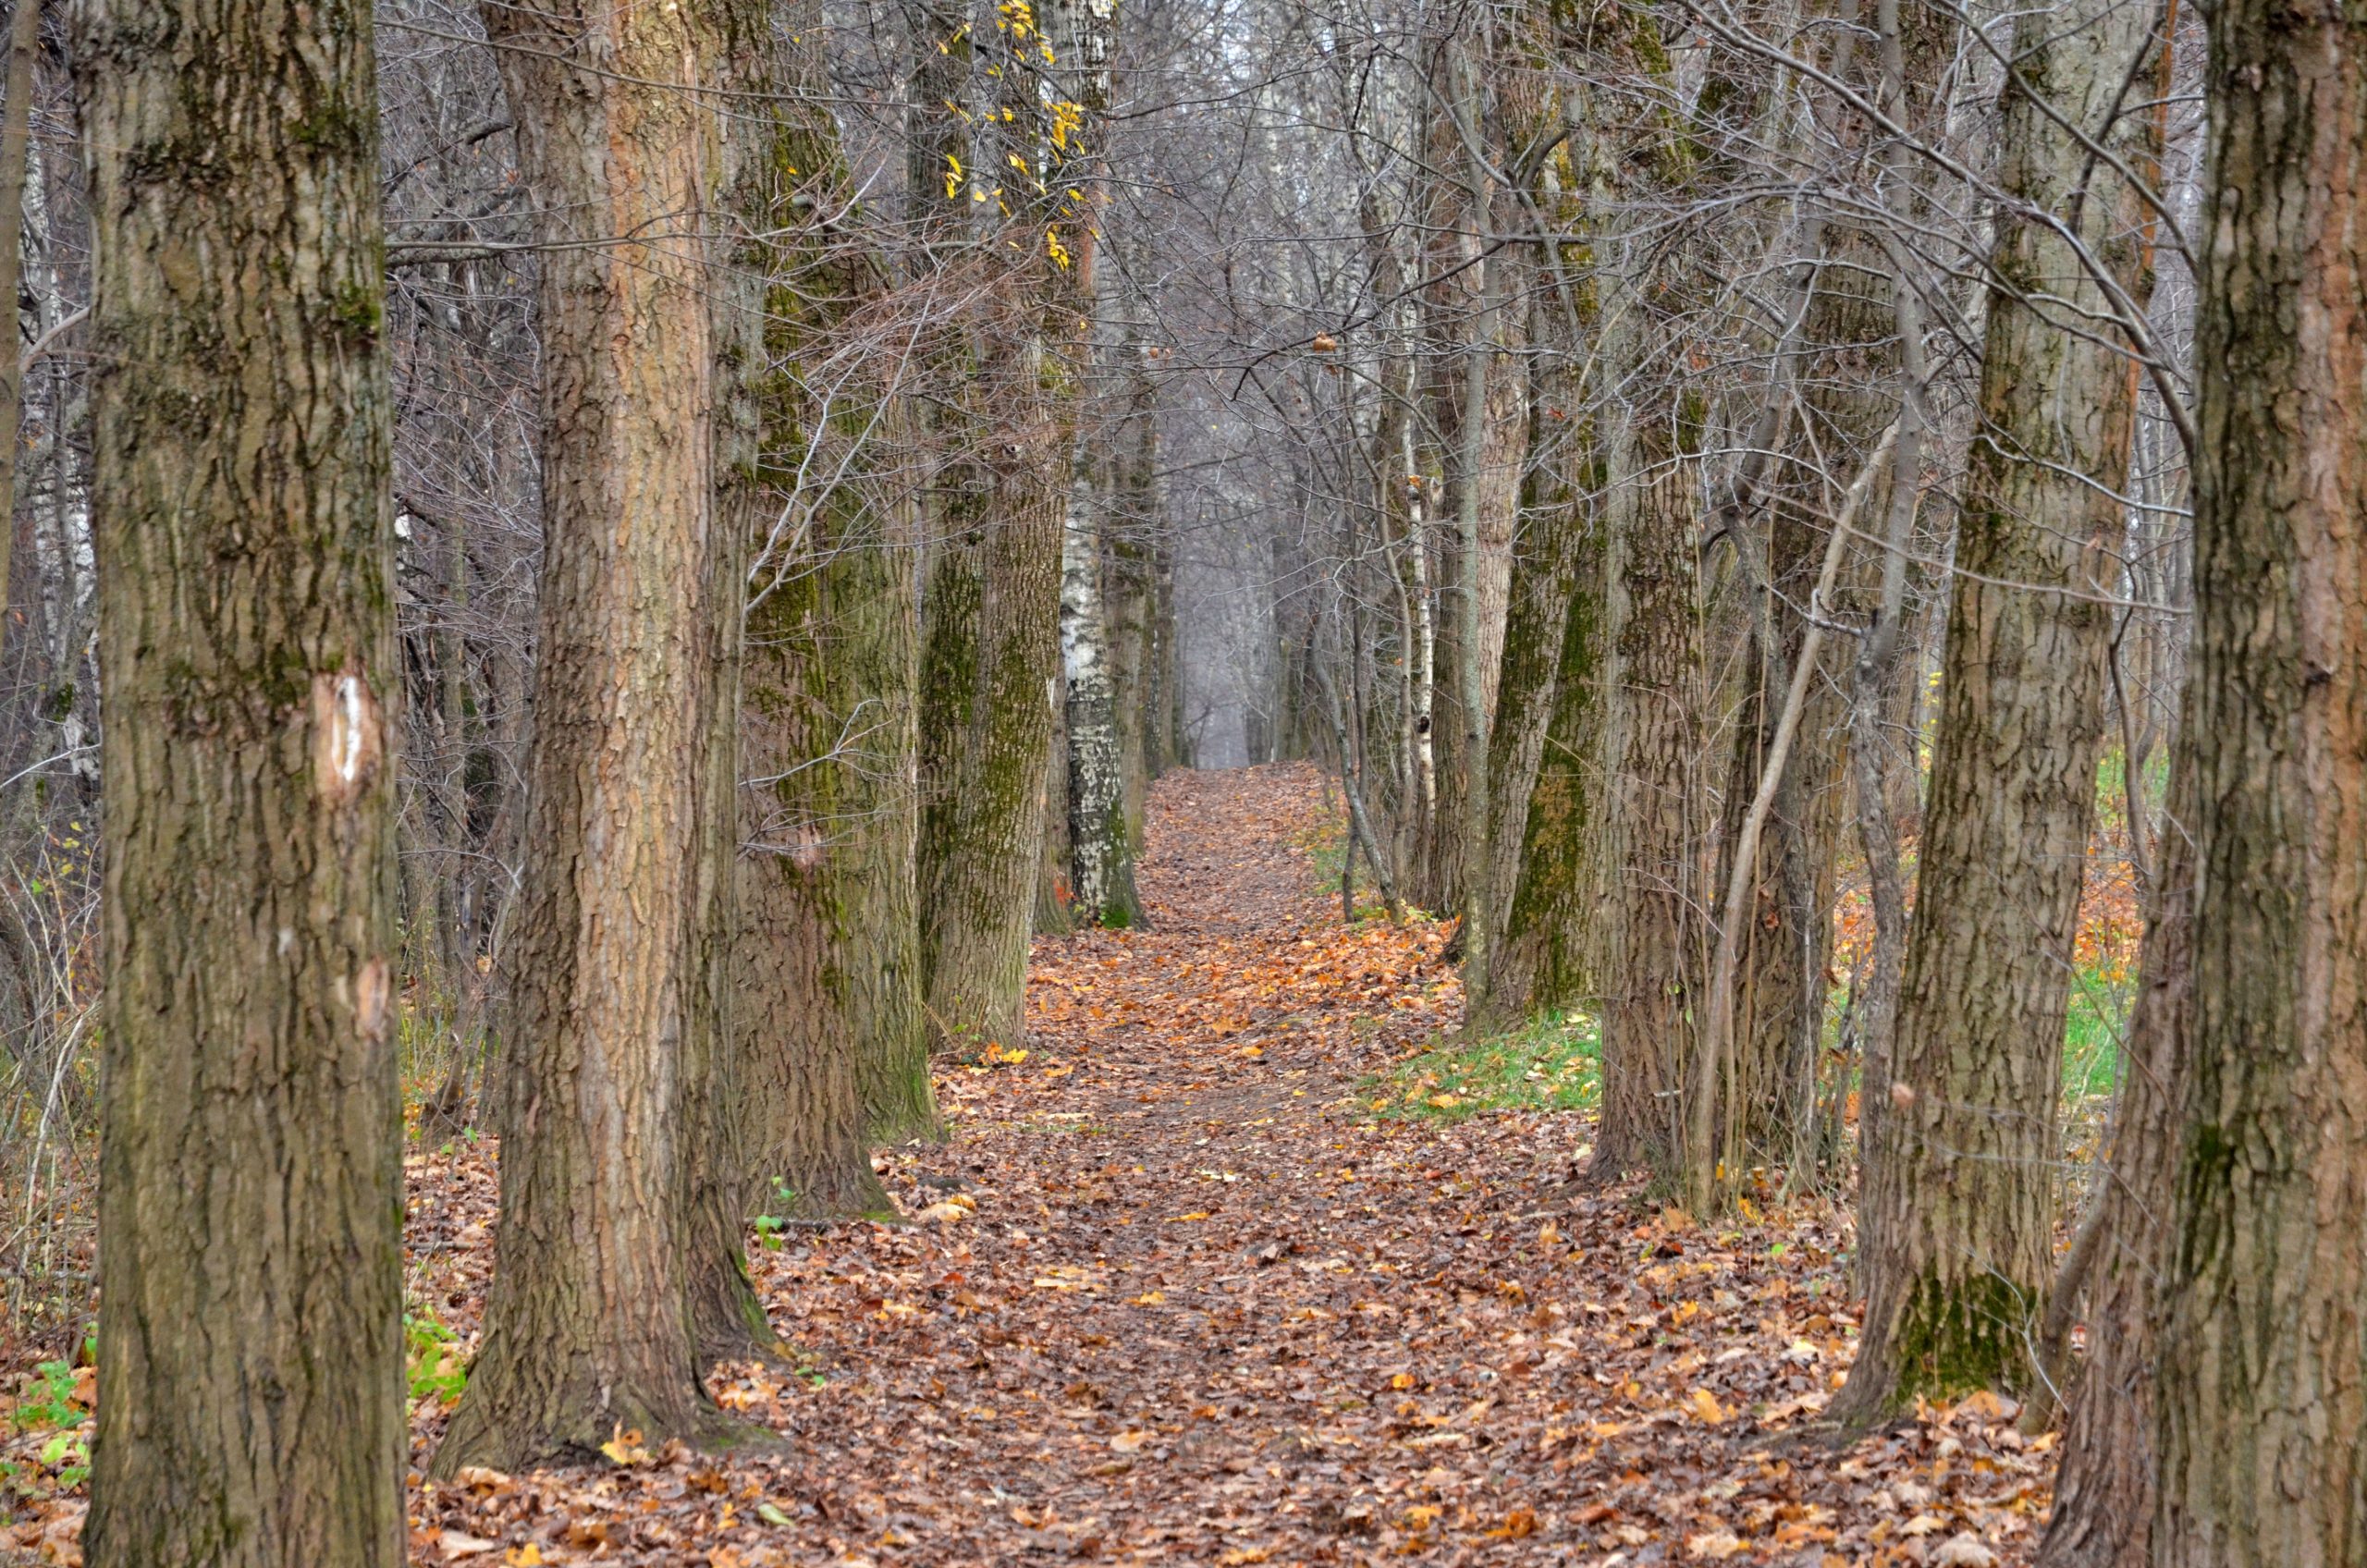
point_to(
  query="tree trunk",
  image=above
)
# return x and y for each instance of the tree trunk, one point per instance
(2105, 1491)
(1099, 843)
(829, 968)
(2264, 1365)
(1130, 532)
(1958, 1219)
(1100, 849)
(990, 660)
(1484, 532)
(251, 1404)
(987, 681)
(1546, 958)
(16, 134)
(586, 1329)
(1648, 1030)
(1553, 578)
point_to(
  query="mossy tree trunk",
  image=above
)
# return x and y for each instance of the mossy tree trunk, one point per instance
(1546, 960)
(585, 1326)
(2262, 1434)
(1957, 1221)
(1552, 553)
(990, 656)
(250, 1400)
(828, 965)
(990, 627)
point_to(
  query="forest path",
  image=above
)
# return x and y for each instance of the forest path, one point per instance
(1176, 1294)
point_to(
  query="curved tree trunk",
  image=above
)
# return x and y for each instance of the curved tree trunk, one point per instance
(1957, 1223)
(251, 1405)
(2263, 1367)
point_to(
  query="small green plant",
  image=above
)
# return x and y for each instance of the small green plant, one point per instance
(1553, 1062)
(432, 1364)
(52, 1404)
(771, 1228)
(70, 1456)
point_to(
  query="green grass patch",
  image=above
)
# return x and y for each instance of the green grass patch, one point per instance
(2092, 1036)
(1553, 1062)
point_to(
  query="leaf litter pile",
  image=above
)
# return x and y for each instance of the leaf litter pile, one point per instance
(1207, 1274)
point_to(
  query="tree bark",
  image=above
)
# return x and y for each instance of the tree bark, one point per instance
(828, 966)
(251, 1405)
(2104, 1490)
(1100, 848)
(990, 652)
(1648, 1030)
(990, 658)
(2263, 1367)
(16, 135)
(585, 1326)
(1545, 958)
(1958, 1219)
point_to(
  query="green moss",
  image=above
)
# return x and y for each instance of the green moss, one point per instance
(1692, 420)
(1957, 1339)
(360, 309)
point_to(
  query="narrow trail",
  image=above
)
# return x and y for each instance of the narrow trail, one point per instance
(1175, 1293)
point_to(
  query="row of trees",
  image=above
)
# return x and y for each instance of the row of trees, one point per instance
(777, 833)
(1720, 406)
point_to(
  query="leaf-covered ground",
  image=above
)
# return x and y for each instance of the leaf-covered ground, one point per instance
(1177, 1291)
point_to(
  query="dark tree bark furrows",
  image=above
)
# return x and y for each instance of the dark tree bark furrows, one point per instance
(1959, 1215)
(2264, 1366)
(585, 1326)
(251, 1401)
(828, 967)
(990, 651)
(1649, 1029)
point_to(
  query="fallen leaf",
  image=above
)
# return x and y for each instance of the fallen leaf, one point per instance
(457, 1544)
(1519, 1525)
(625, 1447)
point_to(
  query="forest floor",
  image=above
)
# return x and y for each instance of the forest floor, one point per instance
(1207, 1275)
